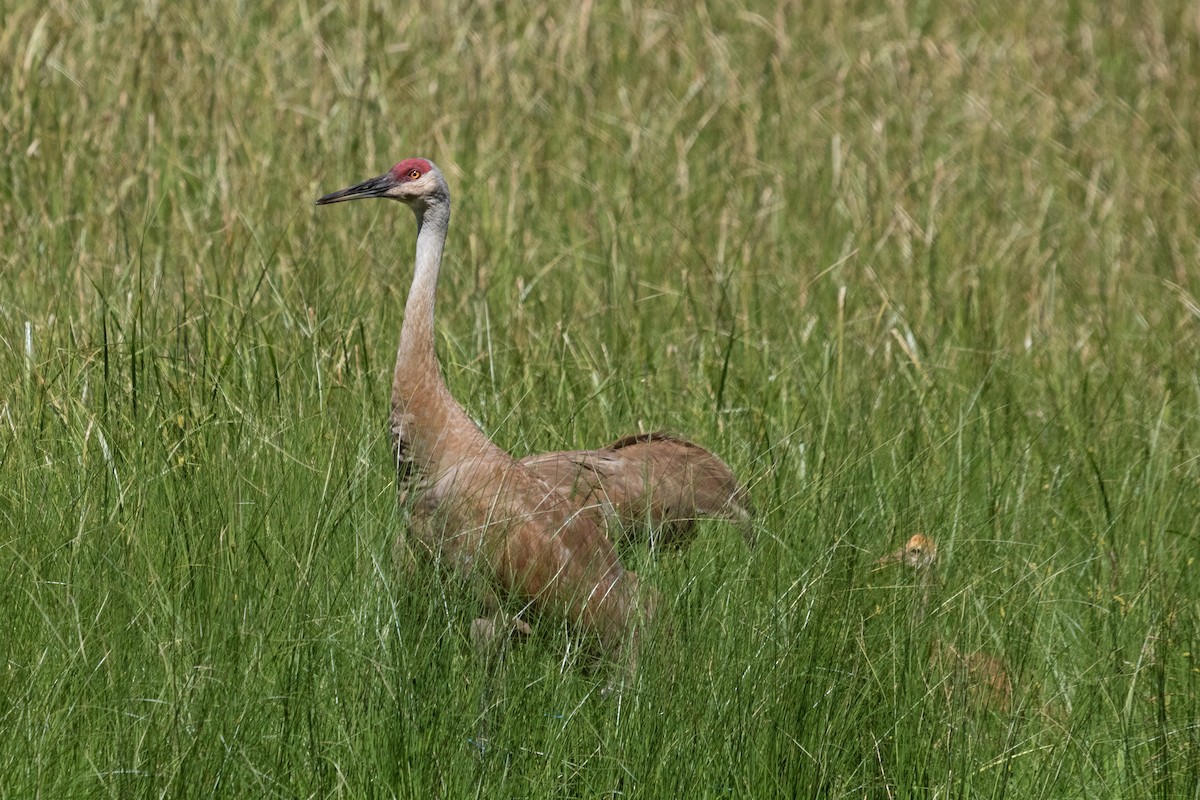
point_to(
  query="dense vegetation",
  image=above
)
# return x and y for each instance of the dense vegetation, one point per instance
(907, 266)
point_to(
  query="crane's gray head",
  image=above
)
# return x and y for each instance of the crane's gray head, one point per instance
(414, 181)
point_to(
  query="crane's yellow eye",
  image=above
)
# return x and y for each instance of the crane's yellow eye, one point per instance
(413, 174)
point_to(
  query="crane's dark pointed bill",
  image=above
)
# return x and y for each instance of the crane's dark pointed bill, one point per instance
(375, 187)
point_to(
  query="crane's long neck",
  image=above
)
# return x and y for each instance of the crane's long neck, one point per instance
(416, 357)
(432, 431)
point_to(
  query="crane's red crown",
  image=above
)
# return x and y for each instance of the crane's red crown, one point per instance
(405, 169)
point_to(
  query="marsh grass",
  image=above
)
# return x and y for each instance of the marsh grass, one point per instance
(907, 267)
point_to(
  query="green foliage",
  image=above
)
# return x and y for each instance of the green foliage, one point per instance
(908, 267)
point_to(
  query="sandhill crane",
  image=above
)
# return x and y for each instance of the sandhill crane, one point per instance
(535, 528)
(986, 676)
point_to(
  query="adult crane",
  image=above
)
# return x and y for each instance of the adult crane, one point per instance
(538, 527)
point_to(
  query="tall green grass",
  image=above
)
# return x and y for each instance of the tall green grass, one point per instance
(908, 267)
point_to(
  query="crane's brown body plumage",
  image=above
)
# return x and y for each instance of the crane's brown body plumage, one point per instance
(649, 484)
(537, 527)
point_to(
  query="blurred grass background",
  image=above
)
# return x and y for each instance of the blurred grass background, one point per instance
(907, 266)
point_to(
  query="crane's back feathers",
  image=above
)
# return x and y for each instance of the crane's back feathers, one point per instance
(651, 484)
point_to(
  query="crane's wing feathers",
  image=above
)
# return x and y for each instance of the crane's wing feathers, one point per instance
(649, 483)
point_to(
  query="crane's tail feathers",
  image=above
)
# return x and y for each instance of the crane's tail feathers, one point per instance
(650, 484)
(711, 489)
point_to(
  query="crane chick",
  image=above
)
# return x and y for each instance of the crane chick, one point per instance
(983, 675)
